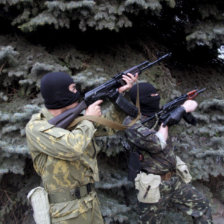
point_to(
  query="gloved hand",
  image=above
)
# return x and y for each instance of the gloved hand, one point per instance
(174, 117)
(190, 119)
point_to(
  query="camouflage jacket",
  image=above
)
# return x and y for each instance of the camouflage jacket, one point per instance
(64, 159)
(158, 158)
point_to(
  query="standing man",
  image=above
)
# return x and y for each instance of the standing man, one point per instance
(66, 160)
(161, 178)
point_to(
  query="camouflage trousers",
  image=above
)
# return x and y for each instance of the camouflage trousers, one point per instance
(91, 216)
(180, 196)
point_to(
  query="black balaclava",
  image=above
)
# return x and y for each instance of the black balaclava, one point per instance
(54, 88)
(149, 105)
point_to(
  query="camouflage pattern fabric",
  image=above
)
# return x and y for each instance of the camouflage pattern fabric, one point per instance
(142, 139)
(177, 195)
(87, 212)
(64, 160)
(174, 192)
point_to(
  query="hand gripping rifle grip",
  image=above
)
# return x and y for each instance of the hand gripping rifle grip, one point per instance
(126, 106)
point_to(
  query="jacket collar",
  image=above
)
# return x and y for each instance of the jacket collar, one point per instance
(45, 113)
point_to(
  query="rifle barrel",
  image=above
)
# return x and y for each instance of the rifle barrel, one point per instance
(201, 90)
(156, 61)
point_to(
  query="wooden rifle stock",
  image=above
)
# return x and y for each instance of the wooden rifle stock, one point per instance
(63, 120)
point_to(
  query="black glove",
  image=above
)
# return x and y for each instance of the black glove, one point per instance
(174, 117)
(189, 118)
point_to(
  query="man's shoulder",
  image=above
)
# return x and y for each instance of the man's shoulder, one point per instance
(37, 123)
(34, 118)
(138, 127)
(127, 121)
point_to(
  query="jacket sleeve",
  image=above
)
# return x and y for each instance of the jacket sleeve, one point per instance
(145, 138)
(58, 142)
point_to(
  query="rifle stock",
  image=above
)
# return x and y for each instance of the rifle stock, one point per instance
(64, 119)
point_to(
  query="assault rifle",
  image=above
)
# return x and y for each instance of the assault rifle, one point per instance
(106, 90)
(166, 110)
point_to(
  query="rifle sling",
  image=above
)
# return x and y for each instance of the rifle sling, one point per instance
(106, 122)
(99, 120)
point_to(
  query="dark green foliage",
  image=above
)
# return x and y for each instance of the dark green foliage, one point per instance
(189, 24)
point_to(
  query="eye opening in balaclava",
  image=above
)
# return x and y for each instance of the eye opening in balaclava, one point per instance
(54, 88)
(149, 105)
